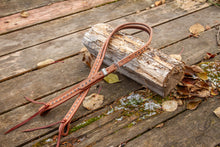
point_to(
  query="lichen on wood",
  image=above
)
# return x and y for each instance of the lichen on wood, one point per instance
(153, 69)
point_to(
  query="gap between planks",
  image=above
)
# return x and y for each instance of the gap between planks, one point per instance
(17, 74)
(46, 13)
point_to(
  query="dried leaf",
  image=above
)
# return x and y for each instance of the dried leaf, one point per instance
(202, 76)
(45, 63)
(217, 112)
(179, 102)
(207, 27)
(209, 56)
(111, 78)
(93, 101)
(157, 3)
(214, 92)
(160, 125)
(163, 1)
(183, 91)
(176, 56)
(189, 71)
(197, 69)
(196, 29)
(202, 93)
(189, 82)
(170, 105)
(24, 14)
(192, 105)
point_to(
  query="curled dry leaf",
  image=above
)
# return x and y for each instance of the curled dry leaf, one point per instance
(24, 14)
(93, 101)
(217, 112)
(44, 63)
(111, 78)
(209, 56)
(189, 71)
(214, 92)
(192, 105)
(160, 125)
(176, 56)
(202, 93)
(196, 29)
(157, 3)
(169, 106)
(197, 69)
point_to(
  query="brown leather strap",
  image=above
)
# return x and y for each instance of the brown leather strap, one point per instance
(95, 76)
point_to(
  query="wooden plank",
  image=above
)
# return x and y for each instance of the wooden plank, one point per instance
(40, 83)
(126, 133)
(42, 14)
(15, 6)
(191, 128)
(53, 29)
(62, 47)
(195, 48)
(7, 120)
(178, 29)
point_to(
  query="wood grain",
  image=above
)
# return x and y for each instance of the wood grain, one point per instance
(153, 69)
(42, 14)
(198, 128)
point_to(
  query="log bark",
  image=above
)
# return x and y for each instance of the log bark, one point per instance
(154, 69)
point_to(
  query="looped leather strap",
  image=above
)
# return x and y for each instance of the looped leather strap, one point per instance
(81, 89)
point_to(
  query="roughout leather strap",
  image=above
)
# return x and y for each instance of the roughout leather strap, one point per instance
(95, 76)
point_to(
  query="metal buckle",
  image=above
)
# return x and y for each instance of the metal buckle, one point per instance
(104, 72)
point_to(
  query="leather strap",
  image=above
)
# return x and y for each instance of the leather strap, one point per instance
(95, 76)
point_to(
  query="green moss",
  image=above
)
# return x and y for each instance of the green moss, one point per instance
(85, 123)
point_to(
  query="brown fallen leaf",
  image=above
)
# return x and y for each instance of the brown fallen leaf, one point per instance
(170, 105)
(93, 101)
(209, 56)
(197, 69)
(196, 29)
(189, 71)
(160, 125)
(157, 3)
(24, 14)
(214, 92)
(202, 93)
(176, 56)
(217, 112)
(192, 105)
(207, 27)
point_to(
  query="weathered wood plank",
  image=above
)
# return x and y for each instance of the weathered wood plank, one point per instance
(153, 69)
(42, 14)
(191, 128)
(8, 7)
(62, 47)
(178, 29)
(195, 48)
(42, 82)
(53, 29)
(15, 116)
(128, 133)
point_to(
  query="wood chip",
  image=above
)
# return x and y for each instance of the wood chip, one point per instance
(176, 56)
(24, 14)
(160, 125)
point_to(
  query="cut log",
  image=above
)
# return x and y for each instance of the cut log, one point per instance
(154, 69)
